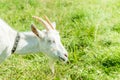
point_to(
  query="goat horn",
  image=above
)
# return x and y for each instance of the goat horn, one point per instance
(48, 21)
(43, 22)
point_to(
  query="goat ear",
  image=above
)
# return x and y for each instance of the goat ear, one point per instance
(36, 31)
(54, 24)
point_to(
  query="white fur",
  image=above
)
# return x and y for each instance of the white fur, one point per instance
(47, 42)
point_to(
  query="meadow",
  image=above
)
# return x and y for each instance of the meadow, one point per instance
(89, 29)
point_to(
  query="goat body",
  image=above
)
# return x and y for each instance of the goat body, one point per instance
(28, 41)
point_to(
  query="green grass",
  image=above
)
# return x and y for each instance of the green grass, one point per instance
(90, 30)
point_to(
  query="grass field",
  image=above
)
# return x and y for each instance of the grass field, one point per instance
(89, 29)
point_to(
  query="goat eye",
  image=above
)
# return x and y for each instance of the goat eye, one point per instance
(49, 41)
(53, 41)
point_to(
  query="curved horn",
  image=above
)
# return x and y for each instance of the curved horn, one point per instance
(48, 21)
(46, 25)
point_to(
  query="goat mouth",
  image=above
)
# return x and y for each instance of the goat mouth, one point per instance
(61, 58)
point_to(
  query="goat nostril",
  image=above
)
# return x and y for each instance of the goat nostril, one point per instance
(65, 55)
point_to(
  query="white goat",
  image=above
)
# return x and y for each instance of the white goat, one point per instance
(45, 41)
